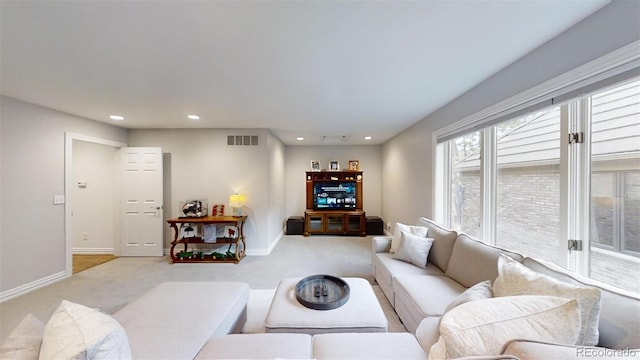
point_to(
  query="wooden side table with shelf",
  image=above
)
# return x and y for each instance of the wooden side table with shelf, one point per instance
(238, 241)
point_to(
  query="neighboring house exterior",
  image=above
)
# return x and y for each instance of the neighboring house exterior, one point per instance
(528, 183)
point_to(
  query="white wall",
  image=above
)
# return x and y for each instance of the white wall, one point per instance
(611, 28)
(277, 195)
(199, 165)
(299, 160)
(32, 242)
(93, 207)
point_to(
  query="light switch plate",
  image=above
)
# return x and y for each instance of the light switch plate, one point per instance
(58, 199)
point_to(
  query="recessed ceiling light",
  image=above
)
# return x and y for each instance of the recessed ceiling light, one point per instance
(299, 138)
(116, 117)
(193, 117)
(368, 138)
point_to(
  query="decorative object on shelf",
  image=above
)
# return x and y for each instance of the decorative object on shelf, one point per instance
(217, 210)
(194, 208)
(230, 232)
(354, 165)
(188, 230)
(236, 201)
(315, 165)
(209, 233)
(334, 165)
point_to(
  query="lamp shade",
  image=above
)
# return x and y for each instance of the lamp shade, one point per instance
(236, 200)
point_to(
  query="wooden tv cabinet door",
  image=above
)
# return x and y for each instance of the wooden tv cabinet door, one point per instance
(334, 222)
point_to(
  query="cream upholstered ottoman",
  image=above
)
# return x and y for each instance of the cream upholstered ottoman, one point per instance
(175, 319)
(361, 313)
(257, 346)
(367, 346)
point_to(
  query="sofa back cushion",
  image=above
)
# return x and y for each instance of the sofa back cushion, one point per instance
(619, 324)
(473, 261)
(443, 240)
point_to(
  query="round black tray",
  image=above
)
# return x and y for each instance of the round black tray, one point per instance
(322, 292)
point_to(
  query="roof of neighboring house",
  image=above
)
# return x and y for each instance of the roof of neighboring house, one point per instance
(535, 139)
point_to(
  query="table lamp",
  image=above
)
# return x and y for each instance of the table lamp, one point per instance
(236, 201)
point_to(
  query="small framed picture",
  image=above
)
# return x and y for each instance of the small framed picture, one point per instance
(354, 165)
(334, 165)
(315, 165)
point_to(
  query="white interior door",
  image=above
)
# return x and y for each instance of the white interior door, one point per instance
(141, 201)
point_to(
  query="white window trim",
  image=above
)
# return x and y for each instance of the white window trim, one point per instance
(607, 66)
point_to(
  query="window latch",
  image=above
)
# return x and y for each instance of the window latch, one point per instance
(575, 245)
(576, 138)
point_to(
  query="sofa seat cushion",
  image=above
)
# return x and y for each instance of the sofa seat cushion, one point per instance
(367, 346)
(257, 346)
(617, 329)
(175, 319)
(385, 267)
(420, 296)
(473, 261)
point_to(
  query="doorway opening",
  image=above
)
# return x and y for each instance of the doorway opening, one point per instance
(91, 218)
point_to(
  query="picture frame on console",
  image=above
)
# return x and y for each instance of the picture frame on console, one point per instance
(315, 165)
(334, 165)
(354, 165)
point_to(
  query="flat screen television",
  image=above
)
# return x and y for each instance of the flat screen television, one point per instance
(335, 195)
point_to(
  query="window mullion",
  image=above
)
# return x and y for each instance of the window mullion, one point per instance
(488, 184)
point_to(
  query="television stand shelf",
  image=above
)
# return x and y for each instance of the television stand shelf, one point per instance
(335, 222)
(198, 256)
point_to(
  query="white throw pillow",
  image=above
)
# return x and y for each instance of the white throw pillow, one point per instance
(411, 229)
(479, 291)
(413, 249)
(516, 279)
(24, 341)
(483, 327)
(79, 332)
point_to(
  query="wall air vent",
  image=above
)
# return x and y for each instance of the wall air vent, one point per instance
(243, 140)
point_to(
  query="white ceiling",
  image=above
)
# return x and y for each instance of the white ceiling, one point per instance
(298, 68)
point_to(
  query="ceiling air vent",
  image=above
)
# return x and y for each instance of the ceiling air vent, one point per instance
(334, 139)
(242, 140)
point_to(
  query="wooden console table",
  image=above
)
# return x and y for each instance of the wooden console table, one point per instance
(195, 257)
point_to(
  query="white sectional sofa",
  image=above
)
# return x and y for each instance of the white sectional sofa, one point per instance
(460, 279)
(457, 262)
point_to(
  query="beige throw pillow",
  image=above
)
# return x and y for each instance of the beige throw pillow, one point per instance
(479, 291)
(516, 279)
(24, 341)
(411, 229)
(483, 327)
(79, 332)
(413, 249)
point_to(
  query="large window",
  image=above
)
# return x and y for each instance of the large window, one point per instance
(528, 184)
(615, 185)
(520, 184)
(464, 196)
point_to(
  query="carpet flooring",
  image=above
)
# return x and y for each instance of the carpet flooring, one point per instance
(112, 285)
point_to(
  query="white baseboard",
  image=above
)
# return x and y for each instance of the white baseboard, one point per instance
(93, 251)
(34, 285)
